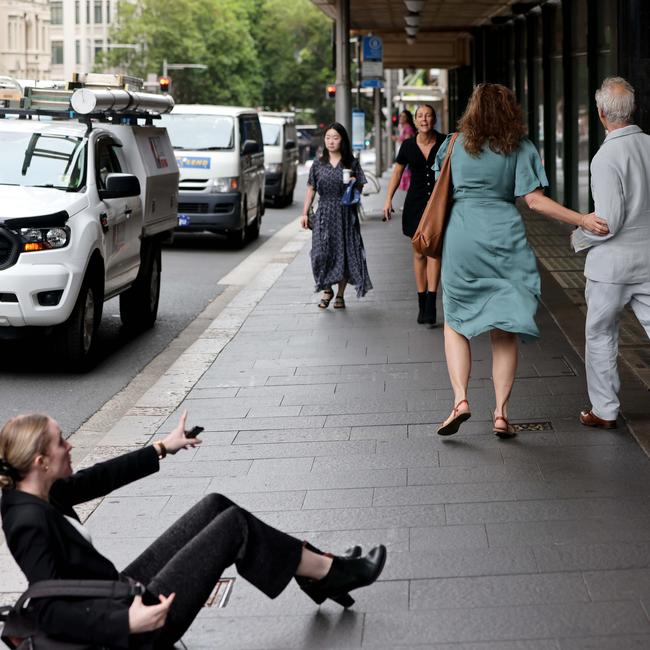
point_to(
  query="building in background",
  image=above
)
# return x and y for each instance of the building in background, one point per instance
(25, 39)
(79, 31)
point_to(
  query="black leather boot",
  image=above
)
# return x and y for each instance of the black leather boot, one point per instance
(345, 574)
(430, 315)
(422, 301)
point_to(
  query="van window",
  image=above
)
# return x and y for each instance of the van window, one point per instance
(271, 134)
(106, 162)
(250, 130)
(200, 132)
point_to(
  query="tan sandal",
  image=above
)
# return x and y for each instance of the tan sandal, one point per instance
(326, 299)
(458, 418)
(503, 432)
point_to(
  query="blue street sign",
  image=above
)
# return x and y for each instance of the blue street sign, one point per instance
(358, 129)
(373, 48)
(372, 83)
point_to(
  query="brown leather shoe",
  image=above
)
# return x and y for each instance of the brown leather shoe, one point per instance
(590, 420)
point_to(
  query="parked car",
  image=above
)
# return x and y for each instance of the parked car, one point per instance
(280, 156)
(220, 156)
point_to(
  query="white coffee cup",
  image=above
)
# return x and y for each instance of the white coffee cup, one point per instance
(347, 173)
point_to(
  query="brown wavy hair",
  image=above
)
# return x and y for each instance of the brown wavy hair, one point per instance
(492, 117)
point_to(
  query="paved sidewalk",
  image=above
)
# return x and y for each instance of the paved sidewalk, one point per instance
(323, 423)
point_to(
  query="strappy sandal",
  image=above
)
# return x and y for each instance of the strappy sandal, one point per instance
(326, 299)
(503, 432)
(339, 303)
(458, 418)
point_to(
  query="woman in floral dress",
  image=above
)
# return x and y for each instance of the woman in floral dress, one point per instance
(337, 254)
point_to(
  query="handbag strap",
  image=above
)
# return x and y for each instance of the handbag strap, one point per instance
(80, 588)
(450, 148)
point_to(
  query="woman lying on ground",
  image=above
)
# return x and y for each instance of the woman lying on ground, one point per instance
(179, 570)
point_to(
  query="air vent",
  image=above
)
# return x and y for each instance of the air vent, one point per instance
(221, 593)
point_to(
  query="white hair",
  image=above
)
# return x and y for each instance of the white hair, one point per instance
(615, 98)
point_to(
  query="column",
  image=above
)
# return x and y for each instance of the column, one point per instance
(343, 98)
(379, 159)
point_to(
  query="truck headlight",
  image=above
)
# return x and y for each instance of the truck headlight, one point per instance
(43, 239)
(227, 184)
(273, 168)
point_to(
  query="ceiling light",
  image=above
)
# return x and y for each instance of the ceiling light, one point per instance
(414, 5)
(412, 19)
(411, 31)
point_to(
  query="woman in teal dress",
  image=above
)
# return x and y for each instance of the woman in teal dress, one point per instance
(490, 281)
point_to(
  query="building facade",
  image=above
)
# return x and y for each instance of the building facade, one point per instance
(79, 31)
(554, 55)
(24, 39)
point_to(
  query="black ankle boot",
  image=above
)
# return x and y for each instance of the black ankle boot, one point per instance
(345, 574)
(430, 314)
(422, 302)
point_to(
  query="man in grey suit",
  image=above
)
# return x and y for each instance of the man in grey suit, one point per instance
(618, 264)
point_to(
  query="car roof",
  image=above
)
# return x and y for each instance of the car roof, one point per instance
(52, 127)
(209, 109)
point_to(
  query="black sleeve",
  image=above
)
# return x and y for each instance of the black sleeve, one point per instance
(402, 157)
(102, 478)
(102, 621)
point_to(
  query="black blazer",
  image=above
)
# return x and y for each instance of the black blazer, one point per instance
(46, 546)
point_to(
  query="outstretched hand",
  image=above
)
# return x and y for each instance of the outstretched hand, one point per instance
(146, 618)
(176, 439)
(388, 209)
(594, 224)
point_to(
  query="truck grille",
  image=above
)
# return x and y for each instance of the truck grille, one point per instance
(193, 208)
(8, 248)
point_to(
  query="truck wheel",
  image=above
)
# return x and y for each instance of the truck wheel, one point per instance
(237, 238)
(139, 304)
(77, 334)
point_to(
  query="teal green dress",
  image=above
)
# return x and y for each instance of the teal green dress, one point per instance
(489, 273)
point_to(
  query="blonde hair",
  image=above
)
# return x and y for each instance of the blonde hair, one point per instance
(21, 439)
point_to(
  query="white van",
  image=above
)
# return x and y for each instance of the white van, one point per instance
(280, 156)
(220, 157)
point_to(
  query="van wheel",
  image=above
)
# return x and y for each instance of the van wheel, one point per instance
(253, 230)
(237, 238)
(77, 335)
(139, 304)
(288, 199)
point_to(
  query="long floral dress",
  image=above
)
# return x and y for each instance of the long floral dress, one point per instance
(337, 251)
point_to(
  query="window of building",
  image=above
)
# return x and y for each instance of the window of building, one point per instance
(77, 51)
(98, 12)
(56, 12)
(108, 12)
(57, 52)
(77, 12)
(99, 48)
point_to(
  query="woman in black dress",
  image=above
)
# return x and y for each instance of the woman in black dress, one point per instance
(337, 254)
(419, 154)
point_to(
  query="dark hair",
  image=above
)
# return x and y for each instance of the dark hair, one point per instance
(409, 118)
(347, 158)
(493, 118)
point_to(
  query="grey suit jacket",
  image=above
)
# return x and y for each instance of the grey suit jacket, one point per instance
(620, 184)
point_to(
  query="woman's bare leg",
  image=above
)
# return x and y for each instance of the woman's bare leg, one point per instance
(420, 271)
(433, 274)
(312, 565)
(340, 293)
(504, 367)
(459, 365)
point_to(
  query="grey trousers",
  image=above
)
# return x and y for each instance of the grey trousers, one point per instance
(191, 555)
(605, 301)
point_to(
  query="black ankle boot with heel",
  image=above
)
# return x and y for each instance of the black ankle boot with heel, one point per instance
(348, 572)
(422, 303)
(429, 316)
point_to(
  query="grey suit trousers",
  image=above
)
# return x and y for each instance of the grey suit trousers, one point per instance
(605, 301)
(190, 556)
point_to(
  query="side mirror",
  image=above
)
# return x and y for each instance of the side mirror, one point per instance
(120, 186)
(289, 144)
(249, 146)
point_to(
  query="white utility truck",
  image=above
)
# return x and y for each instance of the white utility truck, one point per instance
(88, 192)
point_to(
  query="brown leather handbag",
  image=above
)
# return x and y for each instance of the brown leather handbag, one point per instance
(428, 237)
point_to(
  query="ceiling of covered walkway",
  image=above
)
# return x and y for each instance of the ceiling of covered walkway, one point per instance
(443, 37)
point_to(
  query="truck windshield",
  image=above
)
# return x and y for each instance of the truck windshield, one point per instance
(200, 132)
(271, 134)
(42, 160)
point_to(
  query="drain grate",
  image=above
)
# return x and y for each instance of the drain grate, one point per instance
(532, 426)
(221, 593)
